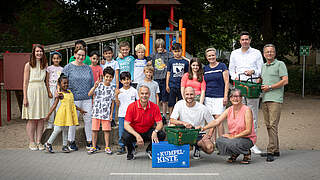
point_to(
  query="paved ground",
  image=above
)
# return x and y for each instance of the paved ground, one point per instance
(25, 164)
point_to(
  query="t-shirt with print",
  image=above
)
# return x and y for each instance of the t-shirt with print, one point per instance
(139, 65)
(126, 97)
(214, 80)
(154, 89)
(97, 72)
(177, 68)
(126, 64)
(104, 95)
(54, 74)
(159, 62)
(115, 66)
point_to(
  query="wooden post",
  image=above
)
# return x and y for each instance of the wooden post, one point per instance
(147, 45)
(184, 42)
(178, 39)
(154, 36)
(143, 20)
(8, 106)
(180, 30)
(132, 44)
(0, 108)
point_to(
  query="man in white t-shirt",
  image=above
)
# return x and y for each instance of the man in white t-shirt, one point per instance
(193, 114)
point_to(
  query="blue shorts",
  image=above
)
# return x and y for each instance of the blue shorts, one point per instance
(173, 95)
(163, 95)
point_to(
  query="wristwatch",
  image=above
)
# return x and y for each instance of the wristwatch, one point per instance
(270, 88)
(156, 131)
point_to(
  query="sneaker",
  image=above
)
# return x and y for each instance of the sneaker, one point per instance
(270, 157)
(33, 147)
(40, 147)
(130, 156)
(65, 149)
(108, 150)
(196, 153)
(149, 153)
(255, 150)
(98, 148)
(121, 151)
(73, 146)
(48, 148)
(276, 154)
(88, 146)
(92, 150)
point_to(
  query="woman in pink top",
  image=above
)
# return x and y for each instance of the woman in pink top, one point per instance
(241, 136)
(194, 78)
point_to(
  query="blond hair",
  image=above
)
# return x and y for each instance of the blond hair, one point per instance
(148, 68)
(140, 47)
(159, 43)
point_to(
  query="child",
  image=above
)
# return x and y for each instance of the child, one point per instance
(54, 73)
(126, 62)
(109, 62)
(177, 66)
(139, 64)
(153, 86)
(66, 114)
(102, 108)
(80, 44)
(102, 62)
(96, 69)
(125, 96)
(160, 59)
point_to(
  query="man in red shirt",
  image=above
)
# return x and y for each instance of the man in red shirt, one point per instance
(139, 123)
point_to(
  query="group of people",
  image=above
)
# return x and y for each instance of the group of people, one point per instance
(195, 96)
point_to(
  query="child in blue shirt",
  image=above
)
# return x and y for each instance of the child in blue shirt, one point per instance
(176, 67)
(126, 61)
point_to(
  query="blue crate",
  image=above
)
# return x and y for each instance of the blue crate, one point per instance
(165, 155)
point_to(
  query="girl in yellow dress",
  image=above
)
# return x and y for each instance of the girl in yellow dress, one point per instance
(66, 115)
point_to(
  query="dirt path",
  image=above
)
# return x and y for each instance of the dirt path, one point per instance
(299, 125)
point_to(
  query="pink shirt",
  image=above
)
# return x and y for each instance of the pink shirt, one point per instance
(197, 86)
(237, 124)
(97, 71)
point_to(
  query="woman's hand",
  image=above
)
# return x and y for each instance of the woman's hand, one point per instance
(25, 102)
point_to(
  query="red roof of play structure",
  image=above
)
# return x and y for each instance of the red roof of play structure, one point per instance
(159, 2)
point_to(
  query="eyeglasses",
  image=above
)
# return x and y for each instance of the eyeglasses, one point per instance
(235, 96)
(269, 52)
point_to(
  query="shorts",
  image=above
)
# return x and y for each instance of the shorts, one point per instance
(173, 95)
(106, 124)
(163, 96)
(215, 105)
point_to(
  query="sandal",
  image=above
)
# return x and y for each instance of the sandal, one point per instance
(246, 158)
(232, 158)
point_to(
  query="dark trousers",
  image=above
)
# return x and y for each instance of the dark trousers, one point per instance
(128, 139)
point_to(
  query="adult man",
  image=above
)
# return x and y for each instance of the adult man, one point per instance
(247, 62)
(193, 114)
(138, 124)
(274, 77)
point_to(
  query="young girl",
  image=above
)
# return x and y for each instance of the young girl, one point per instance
(96, 69)
(153, 86)
(54, 73)
(66, 115)
(35, 96)
(139, 64)
(194, 78)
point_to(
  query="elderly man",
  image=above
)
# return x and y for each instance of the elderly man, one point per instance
(274, 78)
(193, 114)
(248, 61)
(138, 124)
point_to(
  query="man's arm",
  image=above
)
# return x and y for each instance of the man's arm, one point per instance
(232, 67)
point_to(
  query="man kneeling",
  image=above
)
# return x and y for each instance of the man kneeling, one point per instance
(138, 124)
(192, 114)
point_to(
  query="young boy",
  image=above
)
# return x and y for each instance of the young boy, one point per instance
(126, 62)
(139, 64)
(109, 62)
(125, 96)
(177, 66)
(160, 59)
(96, 69)
(153, 86)
(80, 44)
(104, 95)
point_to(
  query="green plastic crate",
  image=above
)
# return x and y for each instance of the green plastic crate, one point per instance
(179, 135)
(247, 88)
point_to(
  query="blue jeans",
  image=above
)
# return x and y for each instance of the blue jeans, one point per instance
(121, 129)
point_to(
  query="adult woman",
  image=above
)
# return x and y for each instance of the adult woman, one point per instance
(35, 96)
(216, 76)
(80, 82)
(194, 78)
(241, 136)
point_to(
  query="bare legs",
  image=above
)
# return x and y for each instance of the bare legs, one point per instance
(220, 129)
(35, 128)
